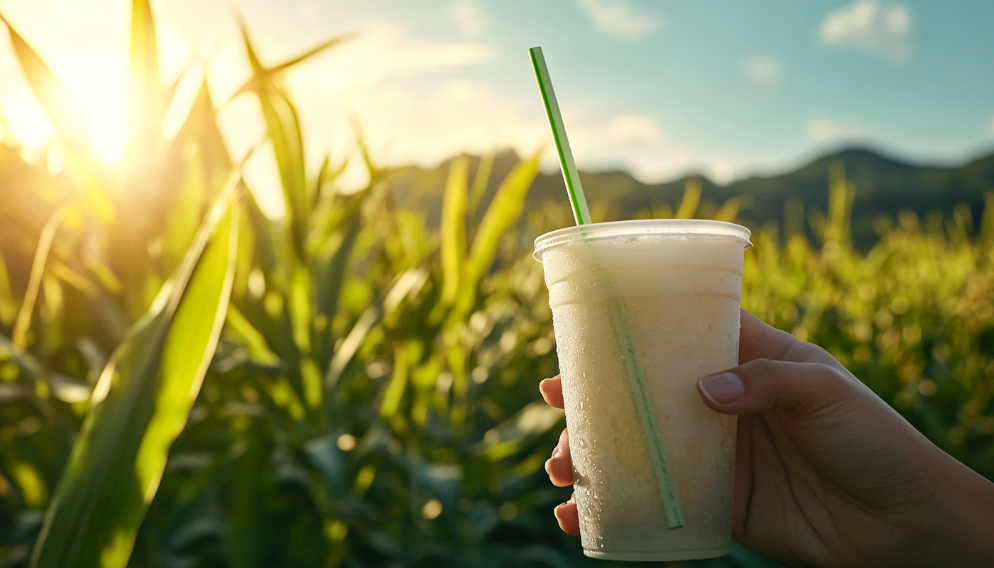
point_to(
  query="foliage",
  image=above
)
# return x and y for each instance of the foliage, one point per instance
(912, 318)
(372, 399)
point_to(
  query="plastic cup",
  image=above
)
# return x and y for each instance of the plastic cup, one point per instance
(677, 285)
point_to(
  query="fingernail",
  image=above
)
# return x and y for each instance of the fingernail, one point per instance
(723, 388)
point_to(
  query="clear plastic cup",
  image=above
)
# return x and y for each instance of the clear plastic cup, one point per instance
(677, 285)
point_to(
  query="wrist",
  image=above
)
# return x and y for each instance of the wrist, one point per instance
(960, 531)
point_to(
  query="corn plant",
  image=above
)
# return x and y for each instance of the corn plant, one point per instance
(185, 382)
(117, 248)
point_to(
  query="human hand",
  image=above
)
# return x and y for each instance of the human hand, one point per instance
(827, 474)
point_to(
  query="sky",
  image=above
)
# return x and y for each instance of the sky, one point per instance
(659, 88)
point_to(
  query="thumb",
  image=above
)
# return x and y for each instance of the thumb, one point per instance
(764, 384)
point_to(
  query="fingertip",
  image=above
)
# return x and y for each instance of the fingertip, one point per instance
(560, 471)
(552, 391)
(721, 389)
(568, 518)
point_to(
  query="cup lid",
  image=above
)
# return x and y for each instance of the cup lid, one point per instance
(643, 227)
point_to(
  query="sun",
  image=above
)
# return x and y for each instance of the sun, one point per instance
(24, 120)
(95, 82)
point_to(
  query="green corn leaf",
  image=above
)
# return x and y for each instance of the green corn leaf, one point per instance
(283, 129)
(245, 522)
(454, 229)
(146, 96)
(311, 53)
(195, 166)
(319, 182)
(504, 211)
(398, 383)
(264, 252)
(300, 308)
(188, 196)
(480, 182)
(48, 89)
(534, 420)
(140, 405)
(691, 199)
(360, 141)
(331, 277)
(8, 305)
(407, 283)
(261, 74)
(201, 136)
(24, 316)
(62, 387)
(254, 342)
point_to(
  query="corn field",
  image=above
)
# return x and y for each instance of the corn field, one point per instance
(185, 382)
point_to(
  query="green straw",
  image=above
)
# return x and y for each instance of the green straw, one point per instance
(636, 380)
(572, 179)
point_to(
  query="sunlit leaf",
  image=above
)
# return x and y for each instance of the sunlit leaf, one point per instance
(254, 341)
(310, 53)
(504, 211)
(480, 182)
(48, 89)
(691, 199)
(19, 336)
(398, 382)
(453, 230)
(331, 274)
(64, 388)
(407, 283)
(139, 406)
(8, 305)
(283, 129)
(533, 420)
(146, 97)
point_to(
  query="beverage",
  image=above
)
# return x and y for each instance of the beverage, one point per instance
(668, 293)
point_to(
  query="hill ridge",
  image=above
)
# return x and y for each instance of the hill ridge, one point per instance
(884, 185)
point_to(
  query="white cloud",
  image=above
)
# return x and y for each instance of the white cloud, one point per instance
(820, 129)
(368, 79)
(383, 50)
(634, 128)
(619, 18)
(468, 17)
(761, 72)
(636, 143)
(403, 125)
(722, 172)
(883, 30)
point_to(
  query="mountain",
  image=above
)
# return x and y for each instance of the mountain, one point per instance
(884, 186)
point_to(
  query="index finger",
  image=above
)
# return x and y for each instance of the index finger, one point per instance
(552, 391)
(759, 340)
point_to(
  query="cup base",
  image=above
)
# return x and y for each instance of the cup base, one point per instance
(696, 554)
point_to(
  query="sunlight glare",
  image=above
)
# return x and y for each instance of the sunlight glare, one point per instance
(95, 80)
(26, 120)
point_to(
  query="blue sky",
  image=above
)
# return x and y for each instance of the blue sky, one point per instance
(661, 88)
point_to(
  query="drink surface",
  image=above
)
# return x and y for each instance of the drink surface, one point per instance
(679, 298)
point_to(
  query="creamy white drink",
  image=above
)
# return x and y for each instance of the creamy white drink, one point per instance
(675, 287)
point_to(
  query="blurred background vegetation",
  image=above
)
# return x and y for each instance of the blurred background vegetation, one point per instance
(186, 382)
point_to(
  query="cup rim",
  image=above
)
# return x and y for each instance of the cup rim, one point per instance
(637, 227)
